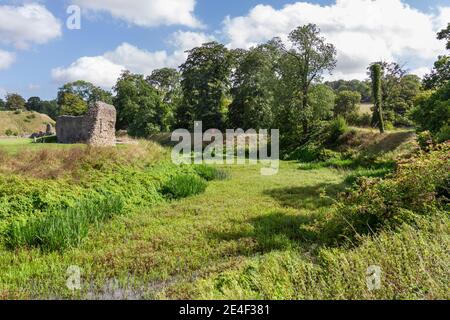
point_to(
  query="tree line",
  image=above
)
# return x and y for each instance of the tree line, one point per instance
(274, 85)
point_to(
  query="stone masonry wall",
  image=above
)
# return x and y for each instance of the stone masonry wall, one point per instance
(96, 128)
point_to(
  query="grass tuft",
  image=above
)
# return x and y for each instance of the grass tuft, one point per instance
(62, 229)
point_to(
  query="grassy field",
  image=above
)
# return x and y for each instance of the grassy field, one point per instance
(23, 123)
(247, 237)
(14, 145)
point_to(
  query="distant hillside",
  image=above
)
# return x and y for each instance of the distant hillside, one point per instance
(23, 123)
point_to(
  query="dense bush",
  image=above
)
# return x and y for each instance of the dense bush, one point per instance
(432, 112)
(337, 128)
(418, 187)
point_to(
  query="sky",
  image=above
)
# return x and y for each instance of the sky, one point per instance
(39, 52)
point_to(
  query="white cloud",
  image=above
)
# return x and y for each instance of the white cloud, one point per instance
(147, 13)
(27, 24)
(6, 59)
(97, 70)
(420, 71)
(363, 31)
(105, 69)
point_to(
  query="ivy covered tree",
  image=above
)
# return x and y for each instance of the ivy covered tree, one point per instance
(205, 84)
(376, 74)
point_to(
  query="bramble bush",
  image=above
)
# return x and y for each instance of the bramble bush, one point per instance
(419, 187)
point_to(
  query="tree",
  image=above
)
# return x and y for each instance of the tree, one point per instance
(71, 104)
(347, 103)
(14, 101)
(254, 81)
(49, 108)
(363, 87)
(445, 35)
(86, 91)
(2, 105)
(440, 75)
(321, 99)
(205, 85)
(168, 82)
(376, 74)
(75, 97)
(313, 56)
(432, 112)
(34, 104)
(140, 108)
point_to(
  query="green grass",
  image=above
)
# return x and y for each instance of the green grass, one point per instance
(65, 228)
(16, 145)
(249, 236)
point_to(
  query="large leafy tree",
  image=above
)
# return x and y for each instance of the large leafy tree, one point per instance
(440, 75)
(2, 104)
(398, 91)
(322, 100)
(205, 85)
(75, 97)
(432, 112)
(15, 101)
(432, 108)
(140, 108)
(168, 82)
(72, 105)
(254, 81)
(311, 57)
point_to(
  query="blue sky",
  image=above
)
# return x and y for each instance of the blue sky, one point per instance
(38, 53)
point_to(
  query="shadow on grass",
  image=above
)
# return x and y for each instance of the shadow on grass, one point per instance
(278, 230)
(307, 198)
(274, 231)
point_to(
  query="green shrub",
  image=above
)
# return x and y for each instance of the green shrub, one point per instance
(183, 186)
(443, 134)
(63, 229)
(337, 128)
(417, 188)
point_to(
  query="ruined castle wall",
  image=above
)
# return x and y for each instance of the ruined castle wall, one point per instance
(69, 129)
(97, 127)
(100, 124)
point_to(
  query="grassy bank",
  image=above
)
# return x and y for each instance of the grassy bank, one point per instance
(247, 236)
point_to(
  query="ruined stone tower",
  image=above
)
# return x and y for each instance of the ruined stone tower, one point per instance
(96, 128)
